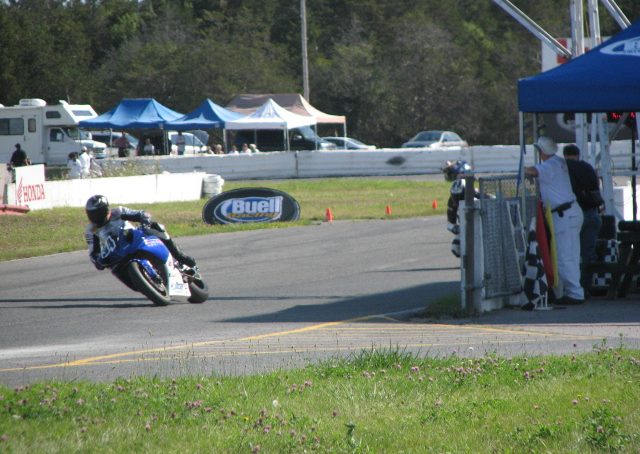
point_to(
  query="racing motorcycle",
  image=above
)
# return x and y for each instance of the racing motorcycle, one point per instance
(143, 263)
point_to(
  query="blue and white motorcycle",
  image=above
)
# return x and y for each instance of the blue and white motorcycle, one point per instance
(143, 263)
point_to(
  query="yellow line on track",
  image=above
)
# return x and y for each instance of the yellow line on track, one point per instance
(329, 327)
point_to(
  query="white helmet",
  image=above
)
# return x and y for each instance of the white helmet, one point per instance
(546, 145)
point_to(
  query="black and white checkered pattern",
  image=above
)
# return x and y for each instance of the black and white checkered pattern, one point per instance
(535, 284)
(601, 280)
(607, 253)
(611, 252)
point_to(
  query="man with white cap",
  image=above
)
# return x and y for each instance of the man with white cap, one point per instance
(85, 162)
(555, 191)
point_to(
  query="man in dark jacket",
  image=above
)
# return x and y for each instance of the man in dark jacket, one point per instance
(584, 183)
(19, 157)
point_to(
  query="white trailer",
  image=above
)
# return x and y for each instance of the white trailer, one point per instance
(48, 133)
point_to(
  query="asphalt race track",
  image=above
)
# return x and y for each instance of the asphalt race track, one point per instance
(279, 298)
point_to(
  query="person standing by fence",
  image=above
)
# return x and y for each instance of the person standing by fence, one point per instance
(123, 146)
(556, 191)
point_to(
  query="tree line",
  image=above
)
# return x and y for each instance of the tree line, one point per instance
(393, 67)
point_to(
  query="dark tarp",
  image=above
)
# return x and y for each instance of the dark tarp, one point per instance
(605, 79)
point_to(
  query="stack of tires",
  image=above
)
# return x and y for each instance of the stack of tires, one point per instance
(212, 185)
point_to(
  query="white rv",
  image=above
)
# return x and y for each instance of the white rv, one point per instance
(48, 133)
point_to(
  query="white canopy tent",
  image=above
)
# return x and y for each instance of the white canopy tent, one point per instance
(271, 116)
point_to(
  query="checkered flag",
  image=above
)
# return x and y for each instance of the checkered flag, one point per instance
(535, 279)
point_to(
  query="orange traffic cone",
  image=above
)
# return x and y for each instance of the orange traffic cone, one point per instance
(388, 210)
(434, 204)
(329, 215)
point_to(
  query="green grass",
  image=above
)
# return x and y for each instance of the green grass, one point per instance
(62, 229)
(382, 402)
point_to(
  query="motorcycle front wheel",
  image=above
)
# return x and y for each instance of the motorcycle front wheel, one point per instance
(199, 291)
(153, 288)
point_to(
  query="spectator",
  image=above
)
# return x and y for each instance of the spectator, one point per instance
(148, 149)
(233, 150)
(217, 149)
(253, 148)
(74, 166)
(555, 191)
(19, 158)
(180, 143)
(123, 146)
(246, 149)
(584, 182)
(85, 162)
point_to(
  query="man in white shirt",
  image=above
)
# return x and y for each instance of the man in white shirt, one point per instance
(555, 191)
(180, 143)
(85, 163)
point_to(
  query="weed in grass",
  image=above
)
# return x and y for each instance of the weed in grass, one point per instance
(603, 430)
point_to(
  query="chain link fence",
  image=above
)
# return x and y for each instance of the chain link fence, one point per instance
(506, 209)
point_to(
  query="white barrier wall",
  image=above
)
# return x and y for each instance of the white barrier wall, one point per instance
(385, 161)
(187, 172)
(310, 164)
(121, 190)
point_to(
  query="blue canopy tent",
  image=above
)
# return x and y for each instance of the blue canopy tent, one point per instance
(134, 113)
(207, 115)
(605, 79)
(138, 113)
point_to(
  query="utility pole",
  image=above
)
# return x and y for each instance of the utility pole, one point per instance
(305, 59)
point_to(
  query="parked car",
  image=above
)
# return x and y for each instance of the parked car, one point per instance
(304, 138)
(435, 140)
(96, 148)
(192, 145)
(348, 143)
(109, 137)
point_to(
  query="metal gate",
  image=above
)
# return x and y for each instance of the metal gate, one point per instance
(506, 209)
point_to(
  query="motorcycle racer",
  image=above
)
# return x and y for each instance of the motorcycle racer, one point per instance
(104, 222)
(454, 171)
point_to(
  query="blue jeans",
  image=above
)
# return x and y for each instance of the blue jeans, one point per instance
(589, 234)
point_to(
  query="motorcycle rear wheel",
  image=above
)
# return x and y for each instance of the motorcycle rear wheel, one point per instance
(157, 292)
(199, 291)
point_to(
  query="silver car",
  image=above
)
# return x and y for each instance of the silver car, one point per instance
(348, 143)
(435, 140)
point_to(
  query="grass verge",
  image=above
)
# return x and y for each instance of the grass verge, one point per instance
(62, 229)
(374, 401)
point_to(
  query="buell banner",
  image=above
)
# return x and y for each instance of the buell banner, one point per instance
(30, 187)
(248, 205)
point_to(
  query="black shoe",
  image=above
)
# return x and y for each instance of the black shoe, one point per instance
(528, 307)
(568, 301)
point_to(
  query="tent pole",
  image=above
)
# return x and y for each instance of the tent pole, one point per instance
(224, 140)
(523, 151)
(595, 118)
(634, 167)
(605, 168)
